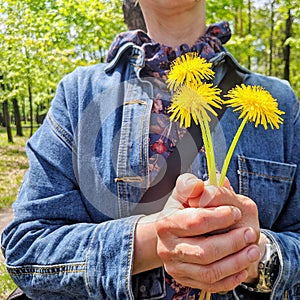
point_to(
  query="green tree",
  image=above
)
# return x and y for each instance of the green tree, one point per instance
(41, 40)
(265, 35)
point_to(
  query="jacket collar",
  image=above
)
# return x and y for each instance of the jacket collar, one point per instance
(128, 49)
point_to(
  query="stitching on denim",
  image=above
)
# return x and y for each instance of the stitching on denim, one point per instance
(45, 270)
(245, 171)
(123, 156)
(45, 274)
(60, 131)
(141, 140)
(296, 111)
(145, 149)
(120, 185)
(266, 175)
(129, 255)
(127, 133)
(243, 182)
(128, 260)
(87, 258)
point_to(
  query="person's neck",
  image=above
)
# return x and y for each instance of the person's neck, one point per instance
(177, 28)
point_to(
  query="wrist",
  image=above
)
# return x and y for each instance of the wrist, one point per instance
(145, 245)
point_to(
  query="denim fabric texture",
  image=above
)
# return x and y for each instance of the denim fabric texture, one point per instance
(73, 232)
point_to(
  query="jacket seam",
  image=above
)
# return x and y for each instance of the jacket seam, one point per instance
(45, 269)
(266, 175)
(297, 112)
(130, 258)
(60, 131)
(87, 259)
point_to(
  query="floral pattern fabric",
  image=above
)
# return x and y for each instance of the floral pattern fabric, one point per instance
(164, 134)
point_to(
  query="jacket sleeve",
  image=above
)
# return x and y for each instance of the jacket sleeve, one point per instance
(54, 249)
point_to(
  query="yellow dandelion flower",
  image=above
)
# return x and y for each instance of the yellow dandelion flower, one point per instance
(256, 105)
(194, 103)
(189, 69)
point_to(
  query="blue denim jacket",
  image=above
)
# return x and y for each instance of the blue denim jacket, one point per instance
(72, 235)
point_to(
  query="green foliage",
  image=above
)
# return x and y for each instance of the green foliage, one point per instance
(259, 35)
(42, 40)
(6, 283)
(13, 165)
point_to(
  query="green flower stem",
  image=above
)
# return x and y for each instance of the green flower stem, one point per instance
(230, 152)
(206, 146)
(209, 150)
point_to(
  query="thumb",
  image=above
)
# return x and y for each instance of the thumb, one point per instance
(188, 186)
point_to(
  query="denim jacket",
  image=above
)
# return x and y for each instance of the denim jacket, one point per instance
(72, 235)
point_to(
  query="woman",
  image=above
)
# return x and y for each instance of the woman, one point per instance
(78, 232)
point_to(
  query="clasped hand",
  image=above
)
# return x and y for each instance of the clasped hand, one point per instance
(208, 237)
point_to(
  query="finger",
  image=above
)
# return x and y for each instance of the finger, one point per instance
(227, 184)
(219, 276)
(202, 193)
(197, 221)
(227, 284)
(209, 194)
(187, 186)
(206, 250)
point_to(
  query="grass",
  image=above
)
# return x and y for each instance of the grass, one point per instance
(13, 165)
(6, 284)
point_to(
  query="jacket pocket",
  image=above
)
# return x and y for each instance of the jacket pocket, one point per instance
(266, 182)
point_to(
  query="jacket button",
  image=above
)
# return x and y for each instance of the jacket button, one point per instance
(142, 288)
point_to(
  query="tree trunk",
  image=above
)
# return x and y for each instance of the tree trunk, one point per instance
(249, 28)
(241, 24)
(29, 95)
(271, 38)
(2, 122)
(133, 15)
(24, 112)
(17, 117)
(287, 48)
(7, 121)
(30, 105)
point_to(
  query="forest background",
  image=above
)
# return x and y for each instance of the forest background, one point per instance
(42, 40)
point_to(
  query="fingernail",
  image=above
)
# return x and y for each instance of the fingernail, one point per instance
(241, 277)
(253, 254)
(190, 180)
(250, 236)
(236, 213)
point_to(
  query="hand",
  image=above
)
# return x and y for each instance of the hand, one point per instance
(214, 196)
(190, 253)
